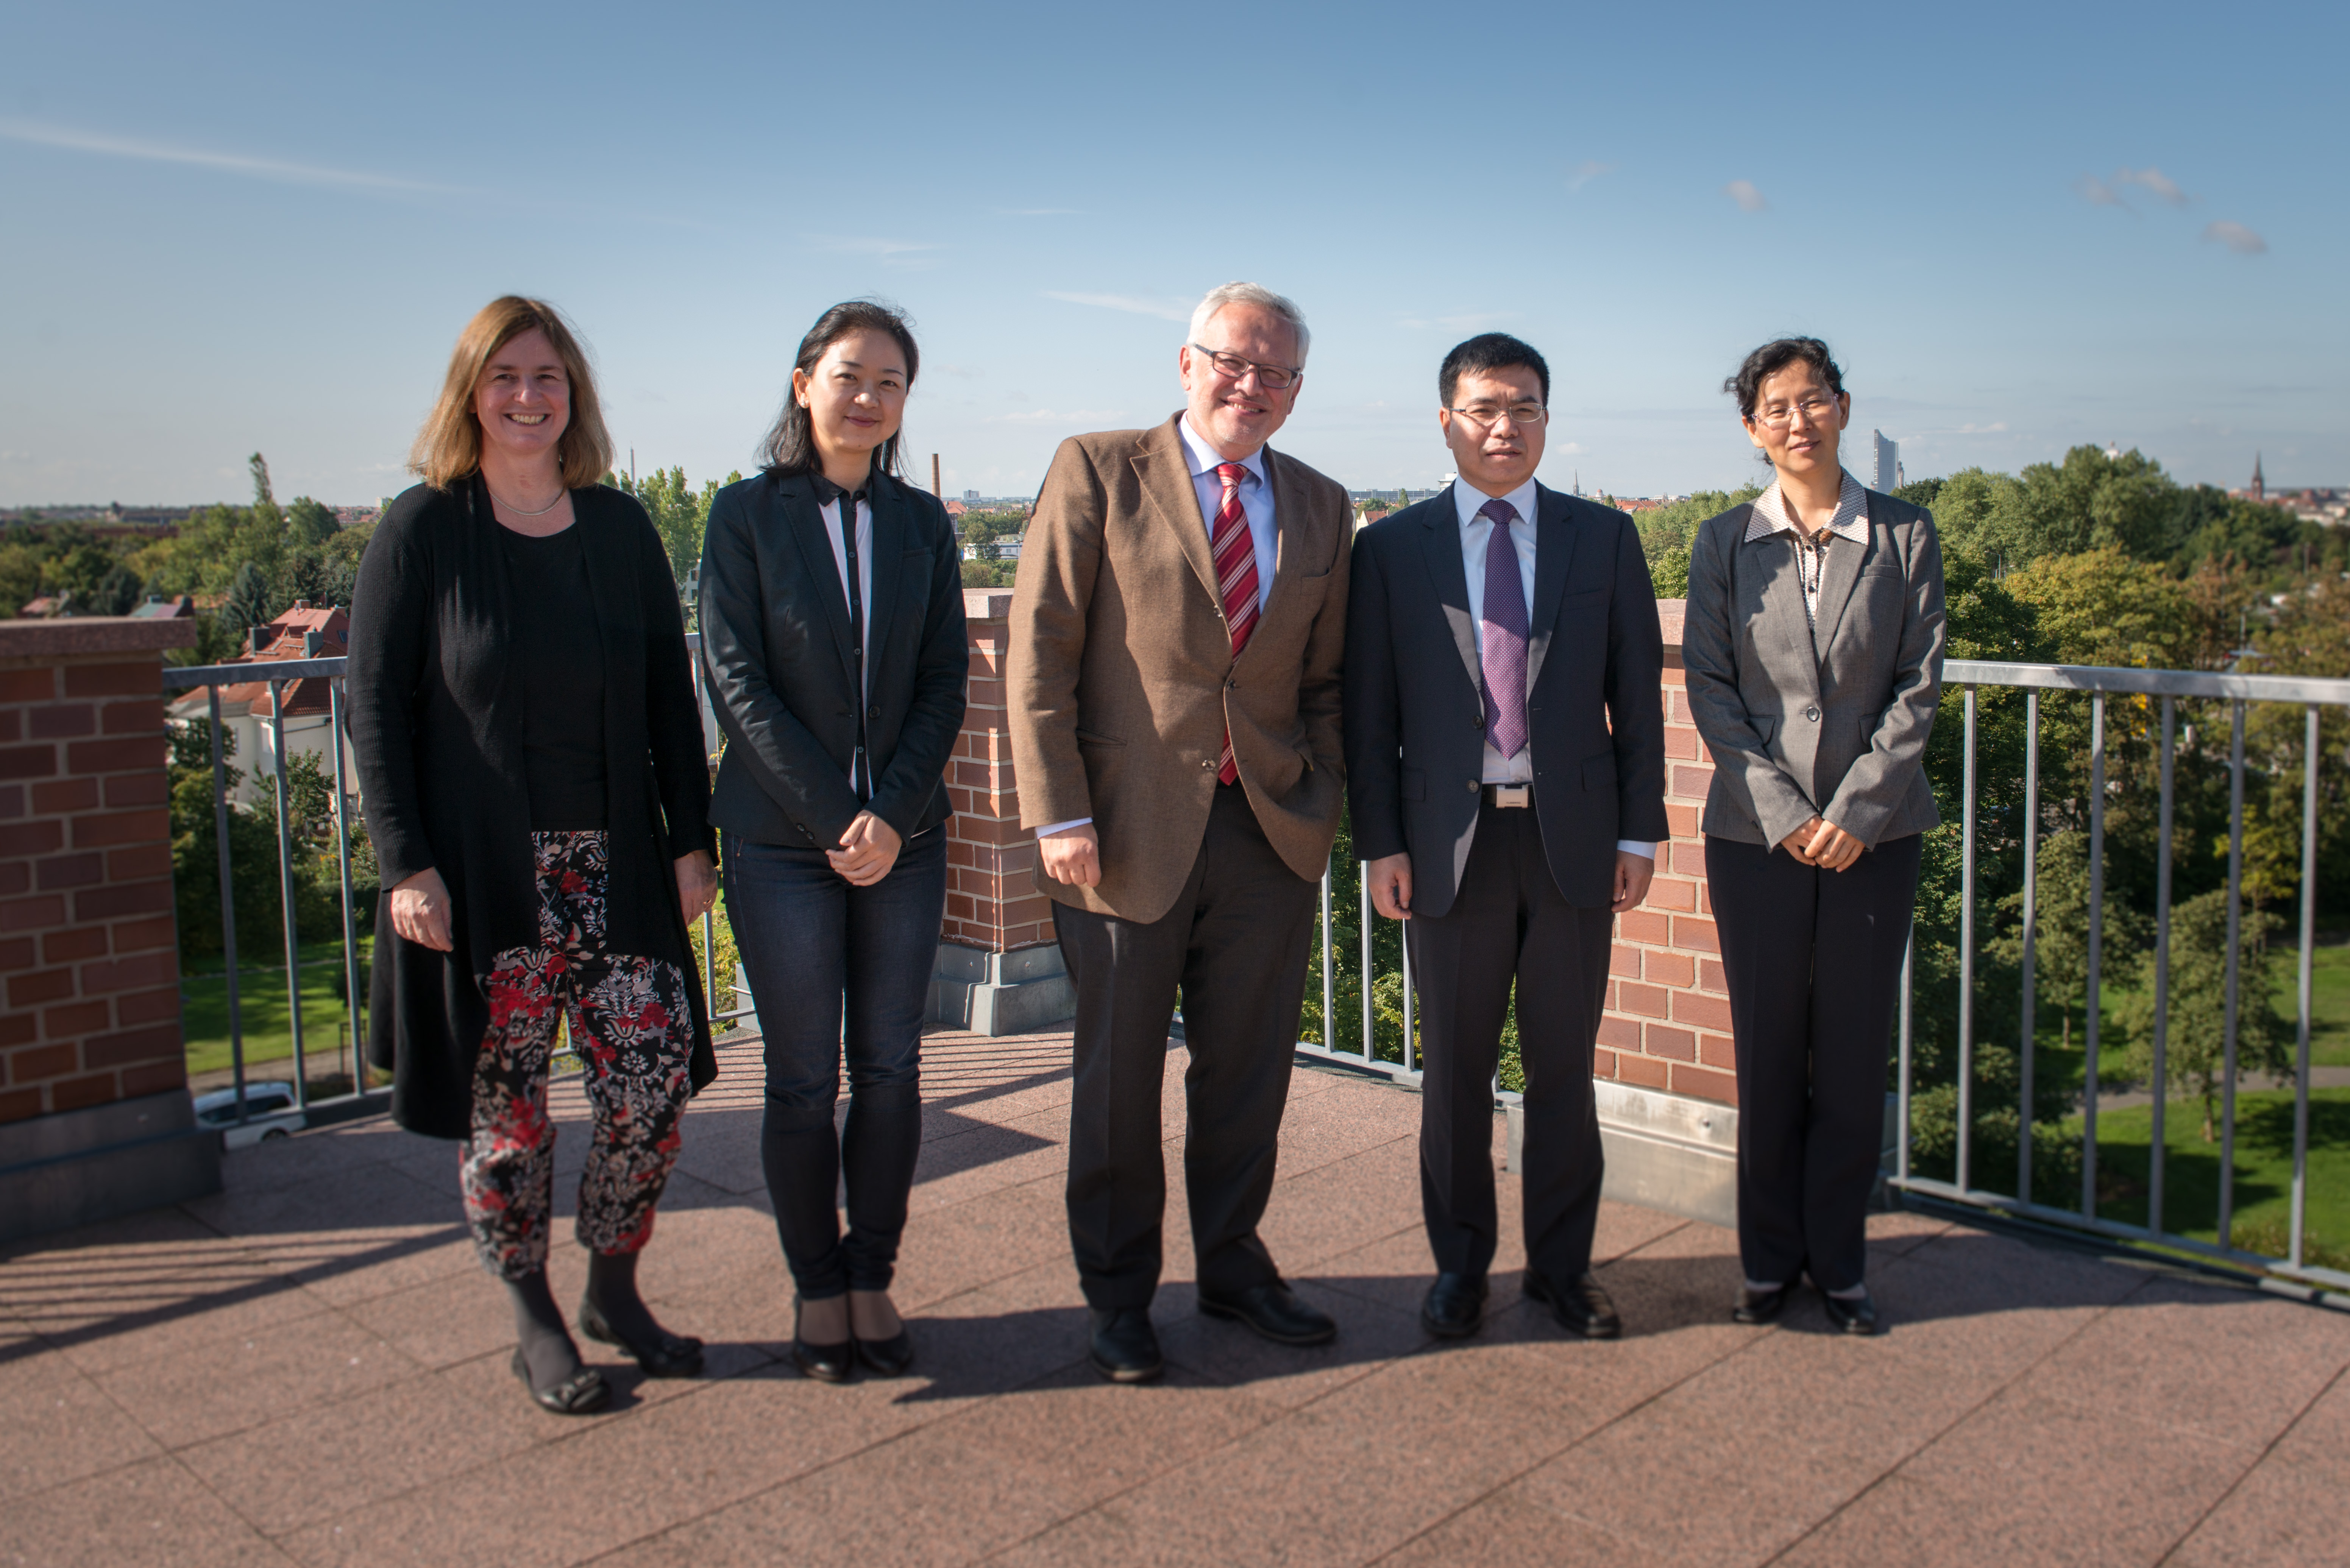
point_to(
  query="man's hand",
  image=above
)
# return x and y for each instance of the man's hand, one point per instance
(420, 911)
(866, 851)
(697, 885)
(1390, 879)
(1633, 875)
(1072, 856)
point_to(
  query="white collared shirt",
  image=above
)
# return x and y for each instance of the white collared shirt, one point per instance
(1850, 523)
(1256, 500)
(830, 512)
(1476, 540)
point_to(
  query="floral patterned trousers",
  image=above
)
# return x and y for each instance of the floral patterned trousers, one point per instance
(631, 1026)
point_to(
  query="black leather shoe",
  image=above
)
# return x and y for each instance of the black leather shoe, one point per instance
(1125, 1345)
(825, 1363)
(583, 1393)
(1455, 1307)
(670, 1355)
(1757, 1306)
(1581, 1307)
(1855, 1314)
(890, 1358)
(1275, 1312)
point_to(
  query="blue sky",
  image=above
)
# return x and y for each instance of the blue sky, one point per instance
(242, 226)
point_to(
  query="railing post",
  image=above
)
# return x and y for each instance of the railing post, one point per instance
(285, 890)
(228, 908)
(2025, 1085)
(1967, 964)
(2160, 1155)
(1901, 1112)
(1362, 871)
(2309, 765)
(1330, 992)
(351, 1017)
(2095, 982)
(2235, 935)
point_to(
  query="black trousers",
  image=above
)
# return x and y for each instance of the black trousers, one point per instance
(1510, 924)
(1235, 944)
(1812, 959)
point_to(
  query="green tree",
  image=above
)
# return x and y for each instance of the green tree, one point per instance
(1673, 526)
(309, 524)
(678, 512)
(248, 602)
(261, 492)
(2196, 1052)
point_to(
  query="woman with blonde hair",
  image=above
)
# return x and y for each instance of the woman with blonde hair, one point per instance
(532, 763)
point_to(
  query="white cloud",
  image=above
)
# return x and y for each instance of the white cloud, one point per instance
(277, 169)
(2236, 238)
(1743, 192)
(1585, 172)
(2097, 194)
(1089, 418)
(2156, 181)
(1165, 309)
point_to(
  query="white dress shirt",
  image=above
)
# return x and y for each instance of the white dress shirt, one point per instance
(830, 512)
(1476, 540)
(1256, 506)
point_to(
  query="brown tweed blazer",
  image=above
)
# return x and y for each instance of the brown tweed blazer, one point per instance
(1121, 676)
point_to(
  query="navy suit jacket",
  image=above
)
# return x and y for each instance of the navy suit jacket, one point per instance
(1415, 713)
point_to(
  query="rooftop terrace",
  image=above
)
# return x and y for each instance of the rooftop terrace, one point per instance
(311, 1368)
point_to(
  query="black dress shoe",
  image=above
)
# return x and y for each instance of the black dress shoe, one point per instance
(583, 1393)
(1581, 1307)
(667, 1356)
(1125, 1346)
(1759, 1306)
(1852, 1314)
(1455, 1307)
(1275, 1312)
(892, 1356)
(825, 1363)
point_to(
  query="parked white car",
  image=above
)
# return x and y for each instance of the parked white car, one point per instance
(271, 1114)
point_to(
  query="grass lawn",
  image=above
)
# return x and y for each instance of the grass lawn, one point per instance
(2263, 1171)
(260, 1008)
(2329, 1012)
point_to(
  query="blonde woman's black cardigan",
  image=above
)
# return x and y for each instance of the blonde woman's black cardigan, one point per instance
(436, 723)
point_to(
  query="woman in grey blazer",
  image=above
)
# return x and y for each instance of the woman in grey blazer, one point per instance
(1814, 652)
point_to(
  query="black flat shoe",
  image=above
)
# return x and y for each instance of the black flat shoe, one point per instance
(1125, 1347)
(670, 1355)
(825, 1363)
(1855, 1314)
(1582, 1307)
(1455, 1307)
(583, 1393)
(890, 1358)
(1757, 1306)
(1275, 1312)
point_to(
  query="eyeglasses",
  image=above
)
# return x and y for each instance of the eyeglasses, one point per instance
(1815, 407)
(1486, 416)
(1231, 368)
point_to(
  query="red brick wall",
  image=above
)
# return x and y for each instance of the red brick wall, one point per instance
(993, 902)
(88, 951)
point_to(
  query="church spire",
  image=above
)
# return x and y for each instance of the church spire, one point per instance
(2260, 485)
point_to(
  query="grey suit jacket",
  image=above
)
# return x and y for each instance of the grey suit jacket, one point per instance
(1839, 733)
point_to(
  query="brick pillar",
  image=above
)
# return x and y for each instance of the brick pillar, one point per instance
(999, 969)
(1668, 1021)
(94, 1116)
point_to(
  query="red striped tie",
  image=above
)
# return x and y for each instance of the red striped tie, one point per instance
(1235, 552)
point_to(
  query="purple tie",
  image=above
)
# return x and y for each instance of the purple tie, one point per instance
(1502, 636)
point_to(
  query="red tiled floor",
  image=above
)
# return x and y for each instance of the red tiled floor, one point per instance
(312, 1367)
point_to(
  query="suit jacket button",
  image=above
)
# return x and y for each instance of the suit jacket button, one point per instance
(1207, 761)
(1477, 720)
(1812, 714)
(1472, 786)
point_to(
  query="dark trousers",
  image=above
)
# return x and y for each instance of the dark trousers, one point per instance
(1235, 944)
(1812, 959)
(1509, 923)
(820, 952)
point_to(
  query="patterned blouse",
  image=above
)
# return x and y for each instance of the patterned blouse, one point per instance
(1849, 524)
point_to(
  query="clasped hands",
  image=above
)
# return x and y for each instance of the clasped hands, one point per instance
(1822, 843)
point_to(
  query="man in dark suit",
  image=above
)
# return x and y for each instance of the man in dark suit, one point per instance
(1506, 766)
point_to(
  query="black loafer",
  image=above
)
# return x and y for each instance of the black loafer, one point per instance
(583, 1393)
(1455, 1307)
(890, 1358)
(1125, 1346)
(669, 1355)
(1852, 1314)
(1757, 1306)
(1581, 1307)
(825, 1363)
(1275, 1312)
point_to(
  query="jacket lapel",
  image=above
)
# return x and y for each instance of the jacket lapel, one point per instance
(1837, 581)
(1449, 575)
(890, 527)
(794, 500)
(1555, 534)
(1166, 479)
(1770, 563)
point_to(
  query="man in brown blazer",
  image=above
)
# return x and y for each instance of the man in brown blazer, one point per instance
(1174, 694)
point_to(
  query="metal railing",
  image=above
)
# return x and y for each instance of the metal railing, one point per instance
(2239, 692)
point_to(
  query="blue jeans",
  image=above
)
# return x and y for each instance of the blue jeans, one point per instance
(818, 952)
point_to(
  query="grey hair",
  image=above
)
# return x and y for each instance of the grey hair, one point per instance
(1253, 294)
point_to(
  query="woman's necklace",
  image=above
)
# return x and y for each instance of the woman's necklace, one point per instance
(560, 496)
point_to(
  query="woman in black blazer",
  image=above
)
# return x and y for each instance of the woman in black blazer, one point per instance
(521, 707)
(1814, 652)
(832, 628)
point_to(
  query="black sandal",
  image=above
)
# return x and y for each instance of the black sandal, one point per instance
(583, 1393)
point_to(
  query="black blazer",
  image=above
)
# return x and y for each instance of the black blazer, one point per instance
(775, 643)
(1415, 712)
(436, 723)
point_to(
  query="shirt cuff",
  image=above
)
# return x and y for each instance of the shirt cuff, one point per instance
(1634, 846)
(1062, 826)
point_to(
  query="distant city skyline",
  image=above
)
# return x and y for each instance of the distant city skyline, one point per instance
(2022, 229)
